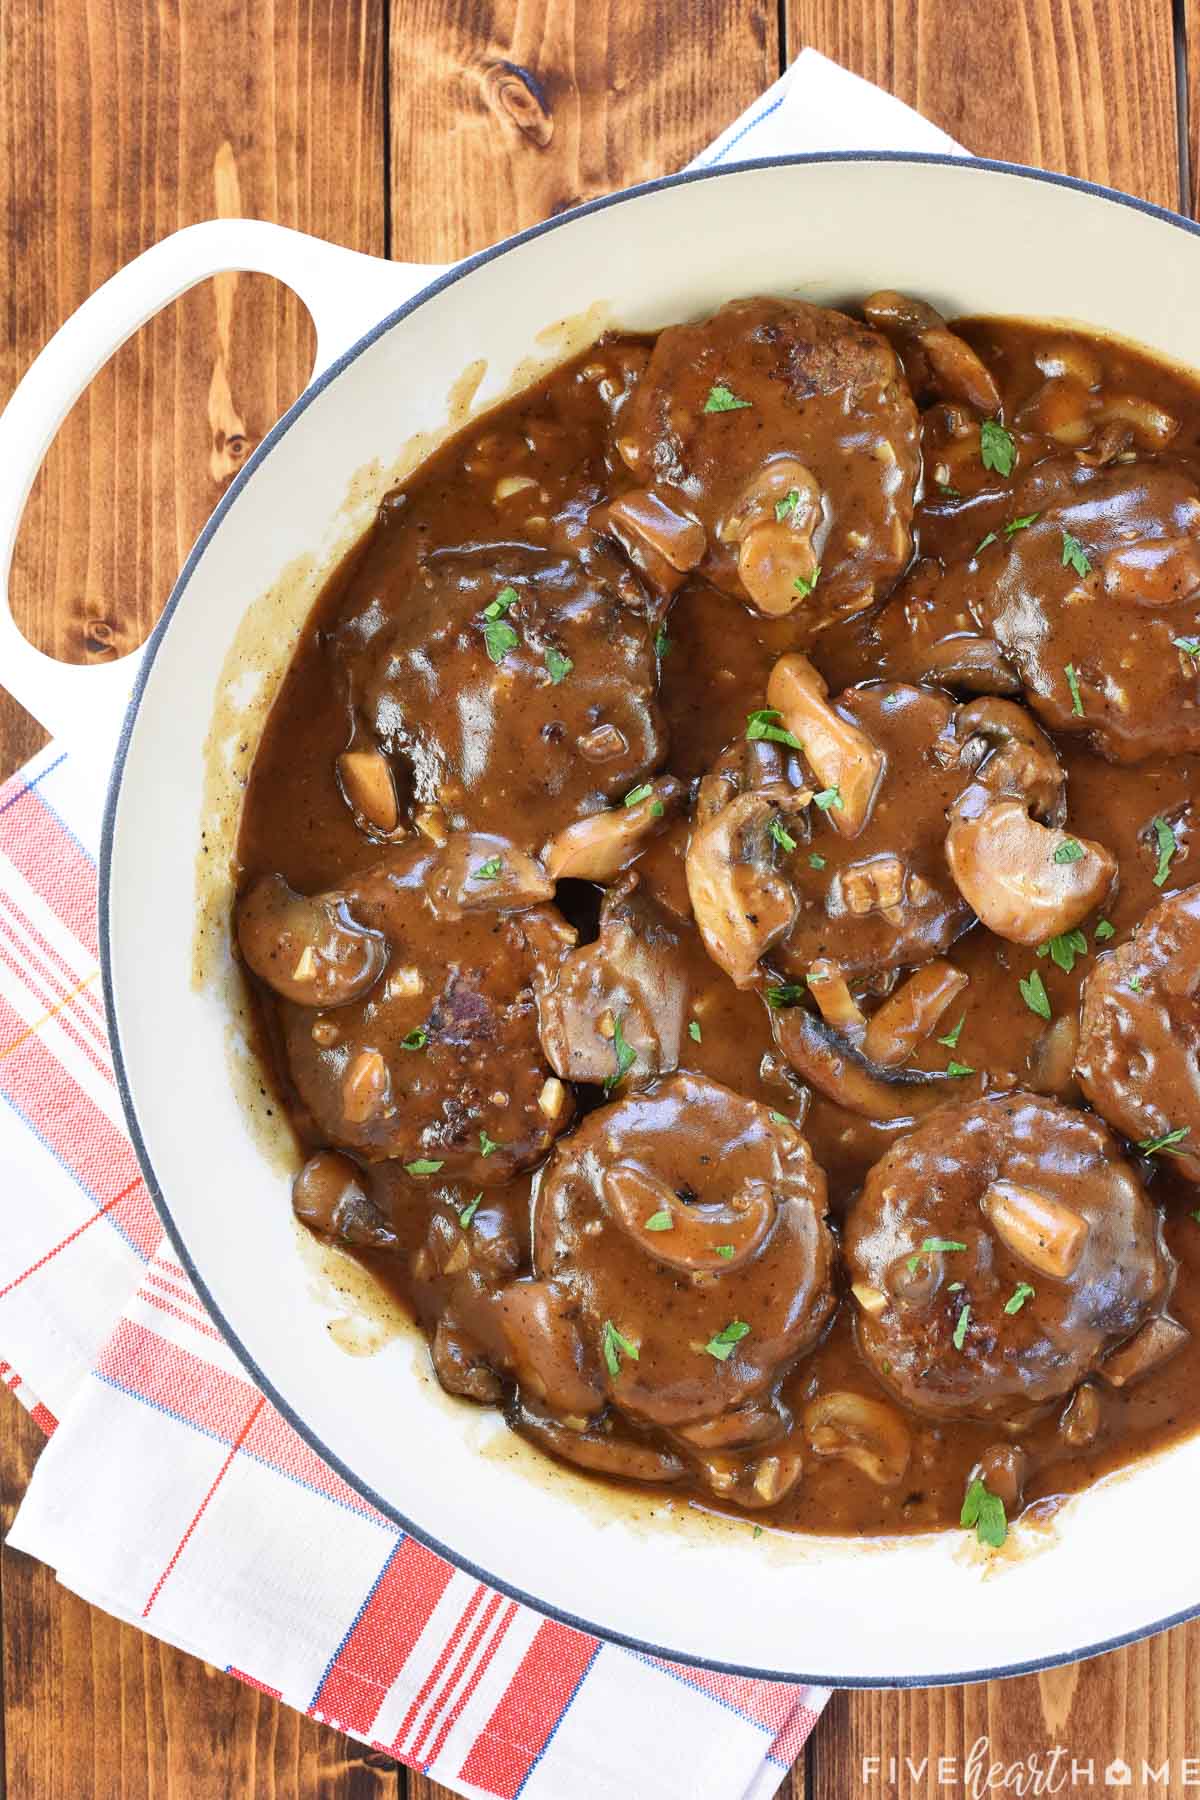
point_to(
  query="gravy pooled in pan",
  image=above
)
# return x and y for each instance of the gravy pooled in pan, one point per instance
(721, 893)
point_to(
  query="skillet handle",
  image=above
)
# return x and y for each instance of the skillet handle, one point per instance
(345, 292)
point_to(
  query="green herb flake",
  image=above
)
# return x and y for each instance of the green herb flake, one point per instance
(694, 1031)
(781, 835)
(829, 800)
(725, 1251)
(498, 635)
(1104, 930)
(816, 861)
(778, 1118)
(957, 1068)
(662, 643)
(1033, 993)
(804, 584)
(960, 1327)
(638, 794)
(956, 1287)
(661, 1221)
(1069, 851)
(722, 1345)
(1073, 684)
(1020, 1294)
(507, 597)
(996, 447)
(489, 870)
(1135, 983)
(1189, 645)
(761, 724)
(785, 995)
(723, 399)
(983, 543)
(468, 1212)
(1168, 846)
(486, 1144)
(786, 507)
(625, 1055)
(1022, 524)
(422, 1166)
(615, 1345)
(984, 1511)
(1073, 555)
(952, 1036)
(558, 666)
(416, 1040)
(657, 809)
(758, 1531)
(951, 493)
(1154, 1145)
(1063, 950)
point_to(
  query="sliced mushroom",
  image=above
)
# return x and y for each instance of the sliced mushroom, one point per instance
(1081, 1420)
(741, 901)
(459, 1365)
(1004, 1469)
(329, 1197)
(908, 1016)
(865, 1433)
(1052, 1060)
(1154, 1344)
(664, 544)
(1038, 1229)
(366, 1087)
(600, 1449)
(481, 873)
(753, 1482)
(369, 790)
(756, 1422)
(599, 847)
(774, 522)
(835, 1003)
(548, 1354)
(829, 1064)
(1026, 882)
(713, 1238)
(952, 370)
(312, 951)
(841, 756)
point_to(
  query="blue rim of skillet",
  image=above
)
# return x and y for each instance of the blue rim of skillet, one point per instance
(253, 463)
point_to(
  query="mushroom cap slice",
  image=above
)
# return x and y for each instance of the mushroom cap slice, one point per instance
(310, 950)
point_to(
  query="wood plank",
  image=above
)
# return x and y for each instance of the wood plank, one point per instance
(1085, 87)
(507, 114)
(118, 122)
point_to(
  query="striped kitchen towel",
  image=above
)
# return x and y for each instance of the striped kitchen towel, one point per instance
(172, 1494)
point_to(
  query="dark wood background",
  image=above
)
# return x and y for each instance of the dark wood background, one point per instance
(424, 129)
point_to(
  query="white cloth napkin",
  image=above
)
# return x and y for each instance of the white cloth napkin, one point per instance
(259, 1561)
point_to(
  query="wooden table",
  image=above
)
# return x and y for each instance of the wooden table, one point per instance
(426, 131)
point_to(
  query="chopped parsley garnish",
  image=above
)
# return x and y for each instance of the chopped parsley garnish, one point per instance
(804, 584)
(758, 1531)
(694, 1031)
(422, 1166)
(816, 861)
(625, 1055)
(957, 1068)
(1073, 684)
(1063, 949)
(1167, 1142)
(1189, 645)
(778, 1118)
(829, 800)
(1033, 993)
(722, 1345)
(725, 1251)
(1020, 1294)
(1022, 524)
(486, 1144)
(930, 1247)
(416, 1040)
(781, 835)
(786, 995)
(498, 635)
(1074, 556)
(951, 493)
(1135, 982)
(996, 448)
(786, 507)
(468, 1212)
(638, 793)
(1069, 851)
(558, 666)
(761, 724)
(960, 1327)
(615, 1345)
(1168, 845)
(984, 542)
(985, 1511)
(723, 399)
(489, 870)
(662, 643)
(952, 1036)
(660, 1221)
(1104, 930)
